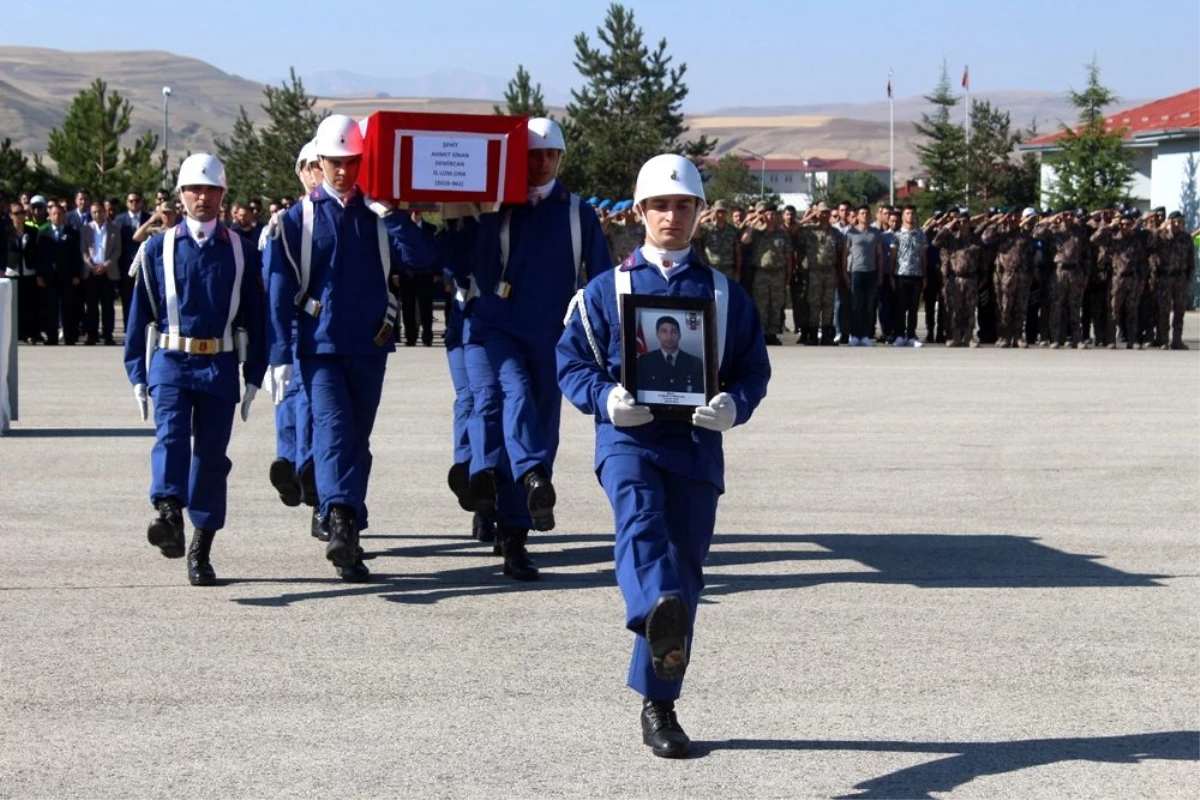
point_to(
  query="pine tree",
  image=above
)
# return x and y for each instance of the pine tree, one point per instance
(15, 174)
(941, 155)
(139, 172)
(855, 188)
(260, 162)
(731, 180)
(988, 164)
(87, 149)
(522, 98)
(629, 109)
(1091, 167)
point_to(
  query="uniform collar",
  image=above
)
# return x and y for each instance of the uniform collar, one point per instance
(326, 192)
(636, 260)
(201, 232)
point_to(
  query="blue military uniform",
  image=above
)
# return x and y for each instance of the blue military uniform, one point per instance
(662, 478)
(195, 392)
(527, 253)
(340, 355)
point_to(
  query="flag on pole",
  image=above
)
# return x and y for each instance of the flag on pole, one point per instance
(889, 84)
(966, 80)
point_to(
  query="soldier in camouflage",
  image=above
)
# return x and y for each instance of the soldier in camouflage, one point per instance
(1014, 272)
(1176, 264)
(1096, 295)
(819, 260)
(1071, 238)
(796, 279)
(771, 258)
(1127, 250)
(720, 241)
(962, 263)
(624, 234)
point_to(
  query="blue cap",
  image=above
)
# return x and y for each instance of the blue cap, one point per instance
(604, 205)
(593, 200)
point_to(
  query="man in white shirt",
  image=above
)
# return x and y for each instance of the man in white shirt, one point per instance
(100, 246)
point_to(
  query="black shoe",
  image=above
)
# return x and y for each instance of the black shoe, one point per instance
(320, 526)
(413, 343)
(283, 478)
(666, 635)
(90, 342)
(166, 532)
(540, 499)
(460, 483)
(342, 549)
(483, 529)
(307, 475)
(773, 340)
(661, 730)
(200, 571)
(110, 341)
(355, 573)
(484, 491)
(517, 563)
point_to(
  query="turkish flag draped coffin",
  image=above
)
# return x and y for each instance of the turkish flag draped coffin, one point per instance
(445, 158)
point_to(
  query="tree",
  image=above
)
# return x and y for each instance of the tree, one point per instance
(628, 110)
(260, 163)
(1189, 203)
(138, 168)
(731, 180)
(941, 155)
(15, 174)
(856, 188)
(522, 98)
(87, 149)
(1091, 167)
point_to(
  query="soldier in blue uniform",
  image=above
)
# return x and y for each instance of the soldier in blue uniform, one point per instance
(329, 276)
(197, 310)
(662, 477)
(522, 265)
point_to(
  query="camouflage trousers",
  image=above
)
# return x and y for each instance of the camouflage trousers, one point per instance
(1172, 294)
(770, 298)
(1066, 304)
(1013, 294)
(1126, 292)
(799, 292)
(962, 296)
(821, 288)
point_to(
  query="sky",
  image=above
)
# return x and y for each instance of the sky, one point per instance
(738, 54)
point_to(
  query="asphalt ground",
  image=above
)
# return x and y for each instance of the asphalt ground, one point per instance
(966, 573)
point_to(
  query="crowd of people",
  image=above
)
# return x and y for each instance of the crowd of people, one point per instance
(1008, 277)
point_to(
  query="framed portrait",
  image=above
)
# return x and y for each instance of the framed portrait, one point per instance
(668, 352)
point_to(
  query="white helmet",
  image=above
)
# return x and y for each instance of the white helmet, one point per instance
(545, 134)
(308, 154)
(201, 169)
(338, 136)
(666, 175)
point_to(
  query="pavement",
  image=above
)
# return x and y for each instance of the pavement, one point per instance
(937, 573)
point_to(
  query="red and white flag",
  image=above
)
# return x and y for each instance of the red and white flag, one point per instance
(640, 345)
(966, 81)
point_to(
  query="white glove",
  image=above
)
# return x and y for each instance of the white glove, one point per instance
(281, 376)
(139, 394)
(380, 208)
(247, 399)
(11, 273)
(719, 415)
(624, 411)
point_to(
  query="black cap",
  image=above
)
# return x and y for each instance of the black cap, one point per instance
(1175, 215)
(1160, 210)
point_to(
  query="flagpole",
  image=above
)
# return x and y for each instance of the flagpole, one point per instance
(967, 85)
(891, 142)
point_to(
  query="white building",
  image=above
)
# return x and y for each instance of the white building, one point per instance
(795, 179)
(1164, 139)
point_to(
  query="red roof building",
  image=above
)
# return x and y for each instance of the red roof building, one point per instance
(1177, 114)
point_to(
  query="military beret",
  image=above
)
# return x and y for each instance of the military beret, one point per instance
(1175, 215)
(964, 214)
(1081, 212)
(604, 205)
(1131, 213)
(720, 206)
(1160, 210)
(763, 205)
(593, 200)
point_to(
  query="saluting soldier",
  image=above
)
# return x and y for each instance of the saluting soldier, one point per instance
(771, 258)
(962, 260)
(720, 242)
(820, 259)
(1126, 248)
(1013, 242)
(1176, 266)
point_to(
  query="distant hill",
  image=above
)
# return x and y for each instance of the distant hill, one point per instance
(37, 85)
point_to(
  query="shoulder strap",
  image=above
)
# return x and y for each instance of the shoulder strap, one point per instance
(505, 240)
(623, 282)
(169, 281)
(306, 241)
(385, 258)
(239, 265)
(721, 296)
(146, 271)
(576, 238)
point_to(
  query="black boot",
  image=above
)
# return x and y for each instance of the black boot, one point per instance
(666, 636)
(320, 525)
(483, 529)
(517, 562)
(356, 572)
(485, 487)
(166, 532)
(460, 483)
(540, 498)
(200, 571)
(342, 549)
(661, 730)
(829, 337)
(307, 475)
(283, 478)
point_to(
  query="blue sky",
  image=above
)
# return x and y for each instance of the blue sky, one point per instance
(781, 53)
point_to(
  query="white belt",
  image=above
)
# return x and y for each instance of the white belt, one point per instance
(188, 344)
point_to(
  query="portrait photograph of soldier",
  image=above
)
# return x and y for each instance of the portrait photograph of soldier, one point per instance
(671, 370)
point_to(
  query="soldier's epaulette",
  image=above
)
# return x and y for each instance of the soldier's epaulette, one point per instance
(628, 263)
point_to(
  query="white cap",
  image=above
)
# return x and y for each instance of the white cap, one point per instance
(1029, 212)
(308, 154)
(201, 169)
(545, 134)
(668, 174)
(37, 200)
(338, 136)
